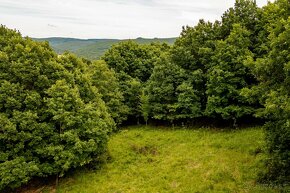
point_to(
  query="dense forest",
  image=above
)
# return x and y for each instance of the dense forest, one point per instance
(57, 112)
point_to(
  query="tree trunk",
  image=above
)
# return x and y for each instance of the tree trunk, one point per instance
(172, 123)
(235, 123)
(56, 180)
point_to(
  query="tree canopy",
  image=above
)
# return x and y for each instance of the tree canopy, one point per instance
(57, 111)
(52, 117)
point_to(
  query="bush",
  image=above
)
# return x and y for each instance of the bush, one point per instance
(278, 137)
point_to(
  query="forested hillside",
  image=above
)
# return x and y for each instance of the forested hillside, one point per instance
(58, 111)
(93, 49)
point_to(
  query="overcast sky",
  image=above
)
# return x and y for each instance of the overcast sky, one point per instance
(108, 18)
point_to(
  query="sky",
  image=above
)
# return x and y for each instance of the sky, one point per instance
(120, 19)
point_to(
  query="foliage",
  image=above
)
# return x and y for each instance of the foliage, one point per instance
(145, 106)
(132, 91)
(108, 86)
(52, 117)
(272, 70)
(133, 64)
(131, 59)
(227, 75)
(245, 13)
(192, 52)
(162, 87)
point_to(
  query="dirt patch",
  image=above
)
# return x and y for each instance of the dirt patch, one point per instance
(145, 150)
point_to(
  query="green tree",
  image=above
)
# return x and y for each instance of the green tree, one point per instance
(244, 12)
(145, 107)
(192, 52)
(268, 16)
(248, 15)
(133, 88)
(272, 71)
(228, 75)
(52, 117)
(133, 64)
(188, 101)
(130, 58)
(162, 87)
(108, 86)
(193, 49)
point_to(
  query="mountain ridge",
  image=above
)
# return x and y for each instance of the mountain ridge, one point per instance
(93, 49)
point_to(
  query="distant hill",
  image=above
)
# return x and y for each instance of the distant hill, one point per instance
(92, 48)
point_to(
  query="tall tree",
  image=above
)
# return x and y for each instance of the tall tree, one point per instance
(162, 87)
(192, 52)
(228, 75)
(272, 71)
(244, 12)
(130, 58)
(133, 64)
(145, 106)
(247, 14)
(108, 86)
(268, 16)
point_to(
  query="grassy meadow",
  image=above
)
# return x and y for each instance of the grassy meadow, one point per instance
(148, 159)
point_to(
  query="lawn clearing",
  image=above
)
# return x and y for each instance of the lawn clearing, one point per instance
(148, 159)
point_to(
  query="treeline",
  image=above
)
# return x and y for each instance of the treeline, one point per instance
(232, 70)
(206, 73)
(57, 111)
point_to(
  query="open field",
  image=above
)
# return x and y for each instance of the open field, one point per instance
(184, 160)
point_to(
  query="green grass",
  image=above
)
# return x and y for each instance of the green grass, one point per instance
(181, 160)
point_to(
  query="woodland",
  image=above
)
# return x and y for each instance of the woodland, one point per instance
(59, 111)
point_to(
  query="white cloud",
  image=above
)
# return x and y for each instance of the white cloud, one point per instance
(108, 18)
